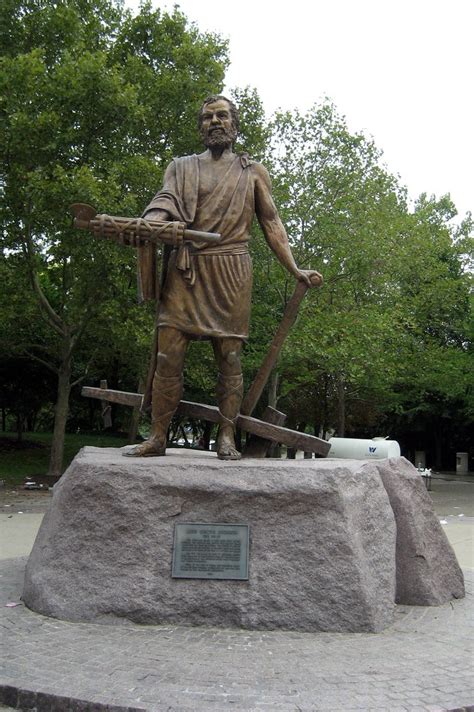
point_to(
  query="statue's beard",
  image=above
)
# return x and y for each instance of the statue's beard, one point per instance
(219, 137)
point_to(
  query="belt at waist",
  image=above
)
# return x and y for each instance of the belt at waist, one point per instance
(186, 250)
(232, 249)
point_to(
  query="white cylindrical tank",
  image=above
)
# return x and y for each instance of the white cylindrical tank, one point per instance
(462, 463)
(358, 449)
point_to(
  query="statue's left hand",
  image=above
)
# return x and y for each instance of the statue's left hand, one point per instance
(310, 276)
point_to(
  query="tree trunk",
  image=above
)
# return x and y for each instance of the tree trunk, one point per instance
(19, 427)
(60, 417)
(341, 406)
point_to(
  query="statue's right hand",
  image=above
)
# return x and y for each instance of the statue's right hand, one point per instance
(157, 214)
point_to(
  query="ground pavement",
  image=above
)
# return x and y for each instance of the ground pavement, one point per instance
(424, 661)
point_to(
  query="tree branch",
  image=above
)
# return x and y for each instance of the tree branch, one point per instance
(48, 365)
(54, 320)
(78, 330)
(86, 371)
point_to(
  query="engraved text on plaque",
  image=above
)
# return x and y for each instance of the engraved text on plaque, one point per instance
(211, 551)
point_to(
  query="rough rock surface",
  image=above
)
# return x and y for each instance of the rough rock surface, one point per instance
(322, 543)
(428, 573)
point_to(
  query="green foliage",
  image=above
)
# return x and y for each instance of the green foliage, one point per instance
(254, 133)
(93, 104)
(387, 338)
(30, 457)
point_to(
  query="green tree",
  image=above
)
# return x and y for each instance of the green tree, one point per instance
(396, 287)
(26, 385)
(433, 394)
(342, 212)
(94, 102)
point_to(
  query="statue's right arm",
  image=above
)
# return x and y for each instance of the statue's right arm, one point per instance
(147, 277)
(157, 214)
(152, 213)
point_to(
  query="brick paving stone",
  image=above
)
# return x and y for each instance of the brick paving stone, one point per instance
(421, 662)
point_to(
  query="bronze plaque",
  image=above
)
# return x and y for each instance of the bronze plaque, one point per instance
(211, 551)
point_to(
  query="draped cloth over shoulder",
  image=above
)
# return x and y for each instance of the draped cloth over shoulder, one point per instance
(179, 198)
(206, 292)
(179, 194)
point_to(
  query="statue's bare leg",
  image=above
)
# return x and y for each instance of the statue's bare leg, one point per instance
(167, 390)
(229, 394)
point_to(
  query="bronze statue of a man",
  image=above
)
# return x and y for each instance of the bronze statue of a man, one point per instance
(206, 292)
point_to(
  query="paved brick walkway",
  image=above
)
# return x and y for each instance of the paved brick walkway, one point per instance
(425, 661)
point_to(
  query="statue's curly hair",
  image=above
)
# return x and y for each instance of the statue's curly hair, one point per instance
(234, 112)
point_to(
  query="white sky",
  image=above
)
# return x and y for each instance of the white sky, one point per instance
(401, 70)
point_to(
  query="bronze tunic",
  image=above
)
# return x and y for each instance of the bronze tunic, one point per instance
(207, 290)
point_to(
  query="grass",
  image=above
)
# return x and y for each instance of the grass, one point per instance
(31, 456)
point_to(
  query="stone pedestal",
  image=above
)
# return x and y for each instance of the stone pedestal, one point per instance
(428, 573)
(322, 555)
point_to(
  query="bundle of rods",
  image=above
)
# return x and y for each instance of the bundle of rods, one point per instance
(136, 231)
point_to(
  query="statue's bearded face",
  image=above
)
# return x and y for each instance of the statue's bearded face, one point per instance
(216, 125)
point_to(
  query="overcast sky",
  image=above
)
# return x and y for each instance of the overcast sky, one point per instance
(401, 70)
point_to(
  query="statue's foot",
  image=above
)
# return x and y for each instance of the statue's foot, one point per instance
(149, 448)
(226, 449)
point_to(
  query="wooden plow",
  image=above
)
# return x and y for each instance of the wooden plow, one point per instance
(264, 431)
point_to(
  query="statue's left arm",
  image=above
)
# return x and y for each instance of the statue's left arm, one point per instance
(274, 231)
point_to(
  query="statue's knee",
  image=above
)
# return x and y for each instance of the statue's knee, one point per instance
(232, 361)
(167, 365)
